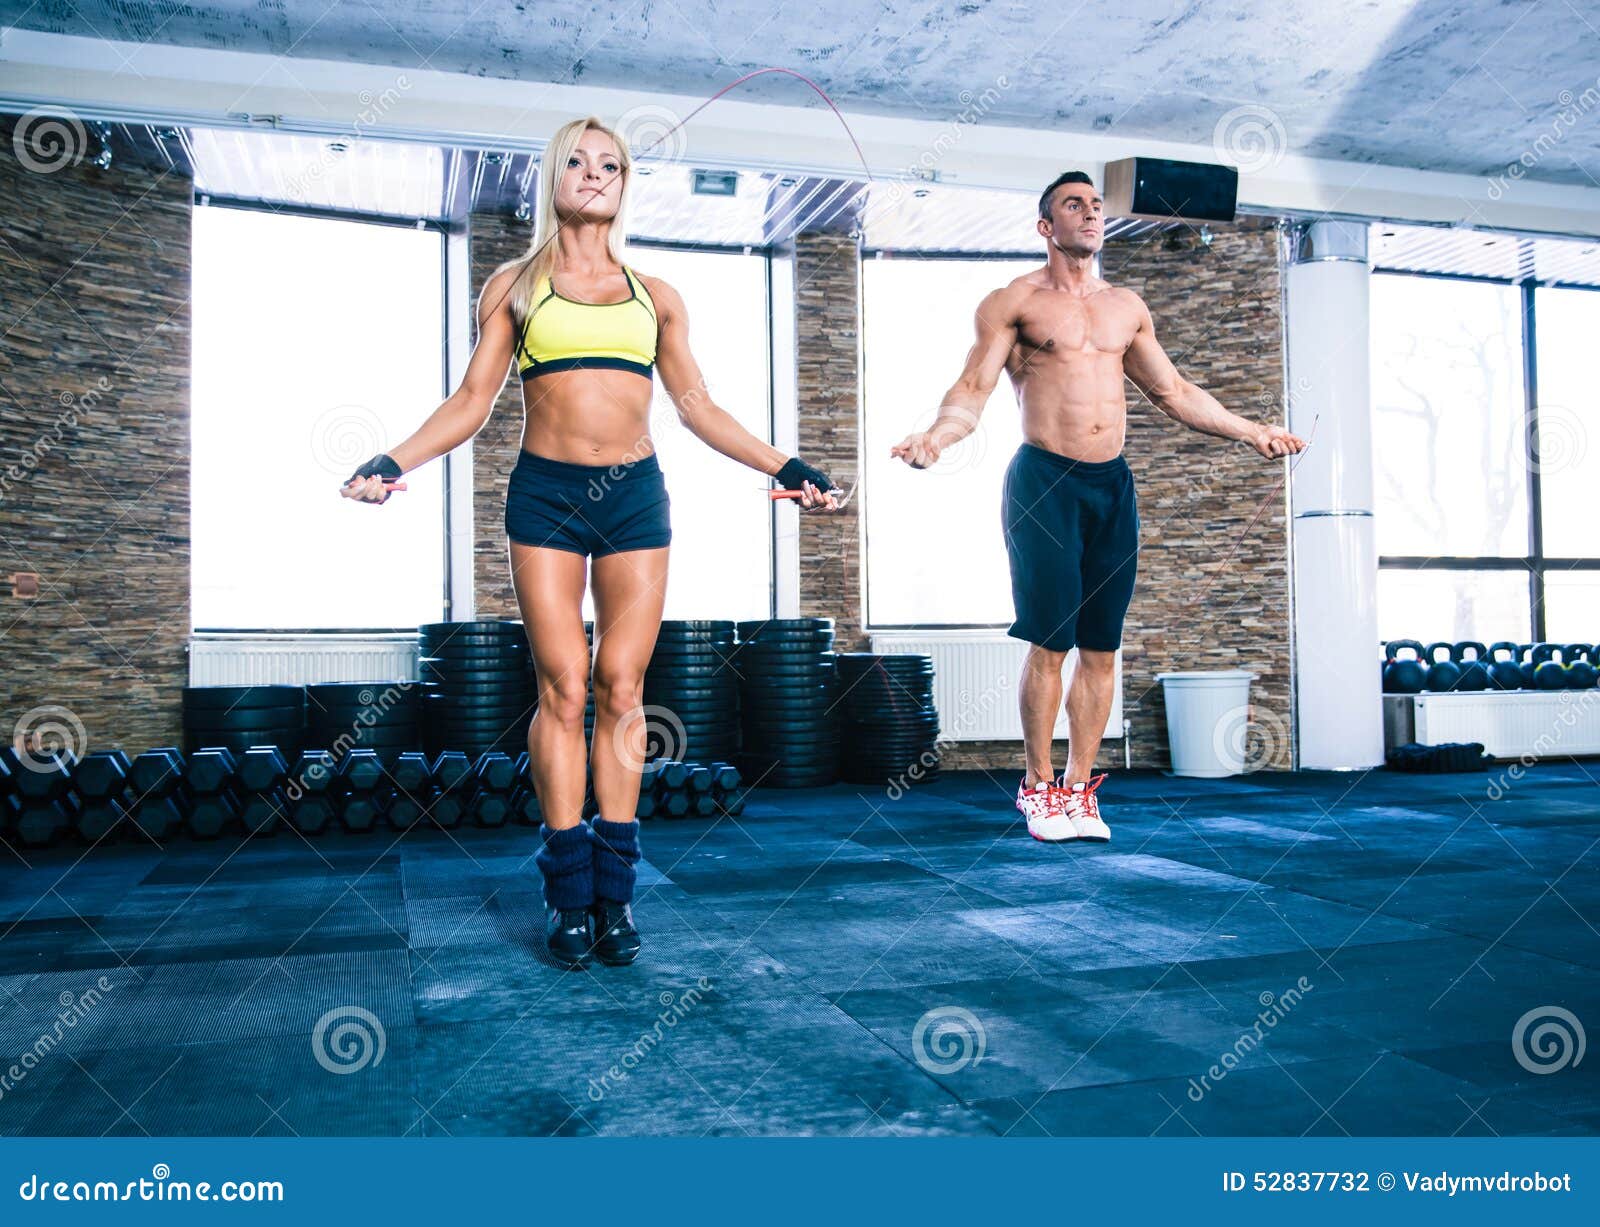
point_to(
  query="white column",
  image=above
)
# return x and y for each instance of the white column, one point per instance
(1338, 701)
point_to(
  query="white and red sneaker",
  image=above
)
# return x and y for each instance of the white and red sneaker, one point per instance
(1041, 806)
(1082, 810)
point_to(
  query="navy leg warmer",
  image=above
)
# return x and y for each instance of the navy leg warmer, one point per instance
(567, 862)
(616, 851)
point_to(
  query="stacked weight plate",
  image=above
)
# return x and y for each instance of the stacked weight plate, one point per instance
(478, 688)
(890, 725)
(381, 716)
(691, 694)
(788, 730)
(239, 717)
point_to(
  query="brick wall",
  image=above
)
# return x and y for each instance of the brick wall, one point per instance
(1213, 590)
(94, 446)
(827, 277)
(495, 238)
(1203, 601)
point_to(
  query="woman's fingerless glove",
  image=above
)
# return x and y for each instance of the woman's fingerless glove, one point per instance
(379, 466)
(796, 472)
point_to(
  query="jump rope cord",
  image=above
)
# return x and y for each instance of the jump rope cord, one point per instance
(1288, 471)
(867, 168)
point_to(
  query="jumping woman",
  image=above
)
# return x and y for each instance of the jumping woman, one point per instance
(586, 332)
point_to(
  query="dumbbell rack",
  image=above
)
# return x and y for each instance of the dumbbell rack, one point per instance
(1510, 724)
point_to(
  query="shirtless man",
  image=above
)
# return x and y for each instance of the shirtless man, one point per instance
(1071, 522)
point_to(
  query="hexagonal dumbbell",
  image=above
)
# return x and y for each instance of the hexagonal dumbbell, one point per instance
(489, 809)
(361, 772)
(495, 771)
(210, 770)
(525, 806)
(44, 776)
(452, 772)
(312, 813)
(263, 811)
(96, 819)
(156, 773)
(38, 824)
(446, 809)
(211, 813)
(412, 774)
(359, 811)
(261, 769)
(404, 810)
(724, 776)
(101, 775)
(314, 772)
(160, 818)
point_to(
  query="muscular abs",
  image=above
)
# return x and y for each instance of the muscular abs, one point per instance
(1066, 366)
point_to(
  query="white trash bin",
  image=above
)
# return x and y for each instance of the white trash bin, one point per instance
(1208, 720)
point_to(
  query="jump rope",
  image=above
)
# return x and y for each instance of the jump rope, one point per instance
(777, 495)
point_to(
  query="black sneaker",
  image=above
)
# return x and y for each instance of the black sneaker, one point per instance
(568, 935)
(616, 941)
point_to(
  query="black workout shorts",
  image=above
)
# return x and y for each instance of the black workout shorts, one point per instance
(1072, 533)
(593, 509)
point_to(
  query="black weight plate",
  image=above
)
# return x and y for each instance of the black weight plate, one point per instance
(904, 727)
(223, 698)
(759, 769)
(522, 675)
(754, 672)
(752, 625)
(494, 626)
(355, 694)
(344, 714)
(492, 662)
(445, 655)
(473, 639)
(688, 668)
(890, 745)
(689, 658)
(776, 703)
(698, 626)
(866, 662)
(811, 741)
(783, 647)
(696, 728)
(509, 688)
(245, 718)
(494, 725)
(890, 721)
(685, 695)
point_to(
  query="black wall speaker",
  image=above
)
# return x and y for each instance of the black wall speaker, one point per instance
(1161, 189)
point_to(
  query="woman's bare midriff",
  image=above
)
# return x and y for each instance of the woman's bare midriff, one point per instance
(587, 417)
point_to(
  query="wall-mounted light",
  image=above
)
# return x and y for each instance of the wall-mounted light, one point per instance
(715, 183)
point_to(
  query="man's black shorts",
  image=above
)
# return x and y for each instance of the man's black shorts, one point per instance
(1072, 533)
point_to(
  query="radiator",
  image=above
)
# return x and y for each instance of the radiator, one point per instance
(299, 660)
(975, 682)
(1510, 724)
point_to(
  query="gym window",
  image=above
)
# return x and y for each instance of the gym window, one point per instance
(916, 329)
(1481, 425)
(317, 342)
(722, 552)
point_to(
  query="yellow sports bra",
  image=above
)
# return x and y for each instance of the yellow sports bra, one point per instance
(562, 334)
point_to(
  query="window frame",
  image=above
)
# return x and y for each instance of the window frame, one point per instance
(1535, 562)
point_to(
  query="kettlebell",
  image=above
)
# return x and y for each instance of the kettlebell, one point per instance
(1548, 673)
(1581, 673)
(1404, 675)
(1472, 656)
(1526, 664)
(1443, 674)
(1503, 671)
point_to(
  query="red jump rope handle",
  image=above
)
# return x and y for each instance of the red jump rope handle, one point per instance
(389, 487)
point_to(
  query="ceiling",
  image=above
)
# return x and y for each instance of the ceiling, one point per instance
(1454, 85)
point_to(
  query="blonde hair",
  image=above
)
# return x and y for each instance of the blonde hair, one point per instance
(539, 260)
